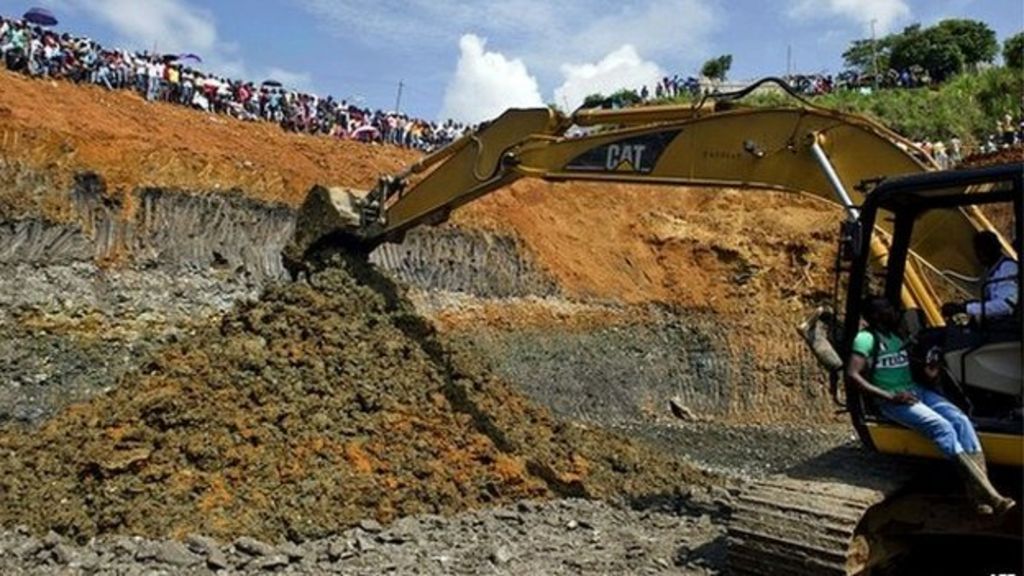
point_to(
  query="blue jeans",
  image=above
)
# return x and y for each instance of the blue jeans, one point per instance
(937, 419)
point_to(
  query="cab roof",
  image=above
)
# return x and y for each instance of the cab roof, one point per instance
(1001, 183)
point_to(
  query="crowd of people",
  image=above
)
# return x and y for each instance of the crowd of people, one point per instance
(806, 84)
(175, 78)
(818, 84)
(672, 87)
(950, 153)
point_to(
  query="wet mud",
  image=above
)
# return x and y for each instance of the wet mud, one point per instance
(296, 416)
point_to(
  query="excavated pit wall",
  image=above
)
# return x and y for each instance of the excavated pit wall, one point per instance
(103, 261)
(625, 374)
(84, 300)
(471, 262)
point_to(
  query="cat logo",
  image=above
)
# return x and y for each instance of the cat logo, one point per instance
(625, 158)
(638, 154)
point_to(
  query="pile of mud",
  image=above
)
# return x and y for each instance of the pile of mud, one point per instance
(325, 402)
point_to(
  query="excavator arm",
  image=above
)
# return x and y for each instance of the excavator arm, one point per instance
(804, 149)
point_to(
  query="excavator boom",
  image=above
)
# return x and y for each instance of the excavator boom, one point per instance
(804, 149)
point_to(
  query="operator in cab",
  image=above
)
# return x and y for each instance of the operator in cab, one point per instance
(880, 367)
(1000, 291)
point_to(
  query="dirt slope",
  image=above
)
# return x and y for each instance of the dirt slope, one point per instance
(63, 129)
(720, 249)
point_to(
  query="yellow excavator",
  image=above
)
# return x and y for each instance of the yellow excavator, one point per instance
(908, 234)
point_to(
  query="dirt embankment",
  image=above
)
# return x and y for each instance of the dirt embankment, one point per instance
(721, 250)
(62, 129)
(712, 281)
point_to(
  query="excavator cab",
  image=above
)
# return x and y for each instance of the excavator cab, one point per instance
(863, 513)
(981, 354)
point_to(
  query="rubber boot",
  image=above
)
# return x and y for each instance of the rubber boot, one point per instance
(814, 331)
(987, 500)
(974, 493)
(1003, 504)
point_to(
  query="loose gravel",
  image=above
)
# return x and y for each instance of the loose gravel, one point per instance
(567, 536)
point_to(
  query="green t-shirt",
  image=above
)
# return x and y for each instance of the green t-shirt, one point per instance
(892, 370)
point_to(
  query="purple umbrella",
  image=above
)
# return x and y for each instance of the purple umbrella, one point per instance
(40, 17)
(190, 56)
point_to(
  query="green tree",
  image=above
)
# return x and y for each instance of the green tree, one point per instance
(625, 97)
(860, 56)
(977, 42)
(933, 49)
(594, 101)
(943, 50)
(717, 68)
(1013, 51)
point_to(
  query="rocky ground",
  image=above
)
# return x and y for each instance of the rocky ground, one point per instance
(531, 537)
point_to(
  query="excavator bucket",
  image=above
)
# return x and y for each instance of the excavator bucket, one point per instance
(328, 216)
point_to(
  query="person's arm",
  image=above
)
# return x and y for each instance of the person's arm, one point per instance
(1000, 294)
(854, 370)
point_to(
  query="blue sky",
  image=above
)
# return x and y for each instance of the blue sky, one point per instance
(473, 58)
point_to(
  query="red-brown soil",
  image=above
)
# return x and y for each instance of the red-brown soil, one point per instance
(63, 129)
(718, 249)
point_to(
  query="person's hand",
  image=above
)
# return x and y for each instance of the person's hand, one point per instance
(953, 308)
(904, 398)
(932, 372)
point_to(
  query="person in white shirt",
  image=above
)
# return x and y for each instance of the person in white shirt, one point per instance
(1000, 292)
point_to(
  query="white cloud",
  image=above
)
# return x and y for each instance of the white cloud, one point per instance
(676, 29)
(886, 14)
(623, 68)
(169, 25)
(551, 33)
(487, 83)
(545, 35)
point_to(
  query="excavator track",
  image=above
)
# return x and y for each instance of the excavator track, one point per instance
(799, 524)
